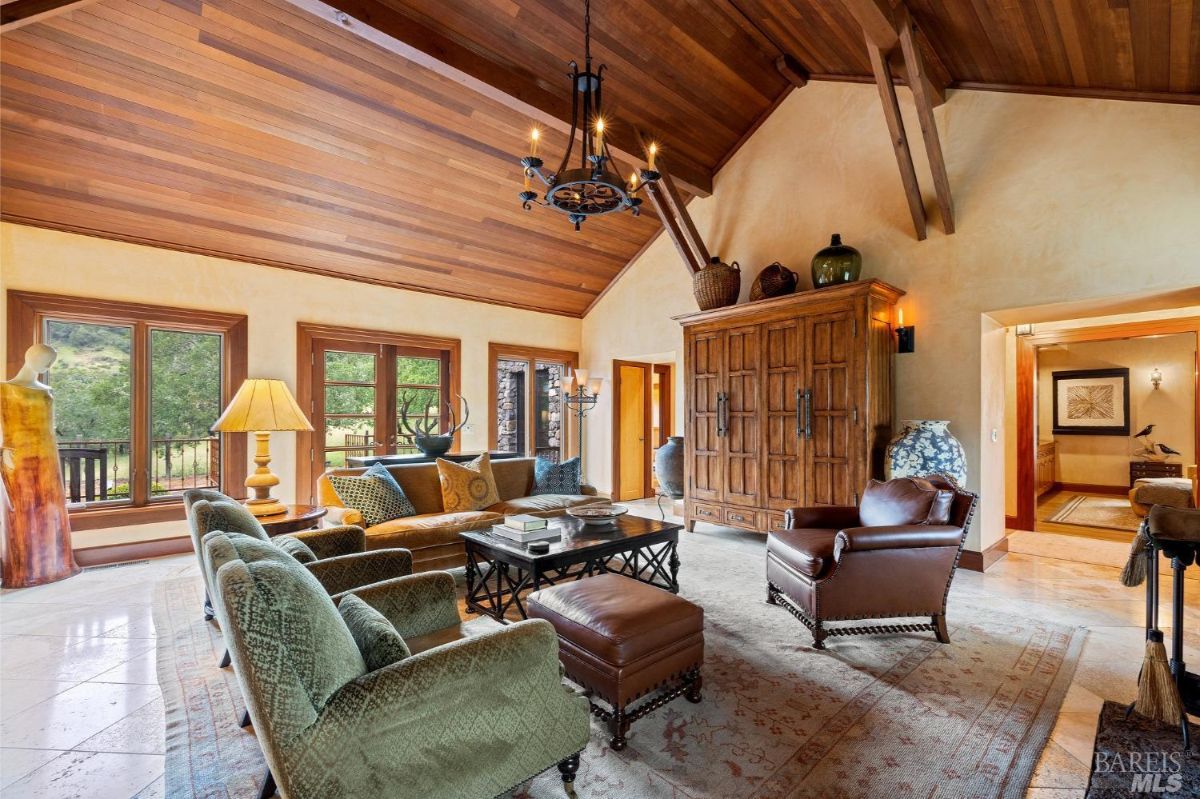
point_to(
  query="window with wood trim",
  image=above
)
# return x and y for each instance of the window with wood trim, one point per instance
(359, 386)
(526, 413)
(136, 389)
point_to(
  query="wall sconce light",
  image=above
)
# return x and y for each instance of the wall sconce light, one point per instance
(1025, 330)
(906, 337)
(1155, 377)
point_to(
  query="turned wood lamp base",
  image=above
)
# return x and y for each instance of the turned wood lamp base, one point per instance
(263, 480)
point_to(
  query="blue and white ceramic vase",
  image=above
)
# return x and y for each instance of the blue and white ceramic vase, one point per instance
(925, 447)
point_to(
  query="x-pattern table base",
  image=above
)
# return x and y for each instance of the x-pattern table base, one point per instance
(494, 586)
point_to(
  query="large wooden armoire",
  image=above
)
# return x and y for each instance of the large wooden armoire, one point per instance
(789, 402)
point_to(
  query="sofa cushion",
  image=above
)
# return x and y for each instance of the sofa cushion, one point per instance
(428, 529)
(556, 478)
(904, 500)
(809, 552)
(467, 486)
(377, 639)
(375, 494)
(544, 504)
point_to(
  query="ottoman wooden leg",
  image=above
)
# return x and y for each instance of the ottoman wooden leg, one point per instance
(693, 691)
(618, 725)
(939, 625)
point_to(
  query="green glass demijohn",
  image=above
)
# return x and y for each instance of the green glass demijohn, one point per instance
(835, 264)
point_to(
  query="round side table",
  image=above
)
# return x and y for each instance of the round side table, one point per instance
(294, 519)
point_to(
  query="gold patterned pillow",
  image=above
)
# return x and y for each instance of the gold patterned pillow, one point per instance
(467, 486)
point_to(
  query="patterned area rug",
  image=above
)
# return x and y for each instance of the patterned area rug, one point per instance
(1112, 513)
(894, 716)
(1137, 756)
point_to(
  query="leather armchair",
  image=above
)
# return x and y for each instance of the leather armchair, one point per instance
(473, 717)
(893, 556)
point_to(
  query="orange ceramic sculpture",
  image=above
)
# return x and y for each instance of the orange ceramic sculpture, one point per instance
(37, 531)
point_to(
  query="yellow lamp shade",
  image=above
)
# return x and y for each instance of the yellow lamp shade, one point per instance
(262, 405)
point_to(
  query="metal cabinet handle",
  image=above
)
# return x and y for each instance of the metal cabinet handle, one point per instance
(799, 419)
(722, 414)
(808, 413)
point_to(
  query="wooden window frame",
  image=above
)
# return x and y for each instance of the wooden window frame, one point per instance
(666, 403)
(531, 356)
(27, 314)
(308, 333)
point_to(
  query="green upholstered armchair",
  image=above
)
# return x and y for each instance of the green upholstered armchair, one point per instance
(209, 510)
(472, 718)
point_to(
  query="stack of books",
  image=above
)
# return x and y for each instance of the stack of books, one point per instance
(524, 528)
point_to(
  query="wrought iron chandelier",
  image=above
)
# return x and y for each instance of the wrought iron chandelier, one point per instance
(595, 187)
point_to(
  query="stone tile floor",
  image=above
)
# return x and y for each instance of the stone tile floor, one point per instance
(81, 714)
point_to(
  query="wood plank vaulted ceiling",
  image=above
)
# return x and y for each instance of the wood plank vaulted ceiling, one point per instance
(255, 130)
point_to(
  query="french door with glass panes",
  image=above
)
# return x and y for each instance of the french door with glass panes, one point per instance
(363, 389)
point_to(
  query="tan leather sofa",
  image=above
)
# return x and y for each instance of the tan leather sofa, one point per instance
(432, 535)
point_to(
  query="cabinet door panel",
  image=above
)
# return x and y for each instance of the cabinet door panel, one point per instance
(705, 473)
(783, 462)
(830, 467)
(742, 438)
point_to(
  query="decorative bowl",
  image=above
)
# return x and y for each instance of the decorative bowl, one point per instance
(598, 514)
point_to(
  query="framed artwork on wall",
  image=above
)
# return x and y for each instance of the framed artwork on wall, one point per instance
(1091, 402)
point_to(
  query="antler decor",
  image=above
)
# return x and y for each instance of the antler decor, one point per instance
(423, 431)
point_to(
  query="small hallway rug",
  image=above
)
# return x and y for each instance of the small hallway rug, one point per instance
(886, 716)
(1112, 513)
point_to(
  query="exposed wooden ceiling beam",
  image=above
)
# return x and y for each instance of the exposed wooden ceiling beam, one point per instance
(891, 113)
(922, 94)
(792, 69)
(673, 228)
(674, 214)
(880, 23)
(19, 13)
(399, 34)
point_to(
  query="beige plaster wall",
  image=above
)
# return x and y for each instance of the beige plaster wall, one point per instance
(1104, 460)
(1057, 200)
(274, 300)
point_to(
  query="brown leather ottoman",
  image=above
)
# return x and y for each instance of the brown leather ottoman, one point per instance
(621, 639)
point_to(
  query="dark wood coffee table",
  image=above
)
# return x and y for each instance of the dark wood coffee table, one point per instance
(500, 571)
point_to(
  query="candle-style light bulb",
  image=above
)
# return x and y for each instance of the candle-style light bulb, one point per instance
(534, 135)
(653, 153)
(528, 179)
(633, 181)
(901, 311)
(598, 140)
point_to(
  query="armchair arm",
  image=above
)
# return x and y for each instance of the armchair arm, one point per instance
(347, 572)
(588, 490)
(908, 536)
(495, 700)
(339, 515)
(333, 541)
(415, 605)
(833, 517)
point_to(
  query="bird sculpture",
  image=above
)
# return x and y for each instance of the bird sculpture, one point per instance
(1149, 450)
(1165, 450)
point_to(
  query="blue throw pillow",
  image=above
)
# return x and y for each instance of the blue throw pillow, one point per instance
(556, 478)
(375, 494)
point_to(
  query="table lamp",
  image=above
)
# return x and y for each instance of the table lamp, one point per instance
(260, 407)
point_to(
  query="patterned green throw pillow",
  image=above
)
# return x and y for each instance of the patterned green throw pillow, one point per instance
(377, 639)
(375, 494)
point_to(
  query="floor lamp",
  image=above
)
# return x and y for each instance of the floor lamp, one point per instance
(580, 394)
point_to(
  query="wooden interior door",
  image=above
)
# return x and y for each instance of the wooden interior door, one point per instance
(632, 434)
(743, 357)
(829, 415)
(704, 443)
(783, 445)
